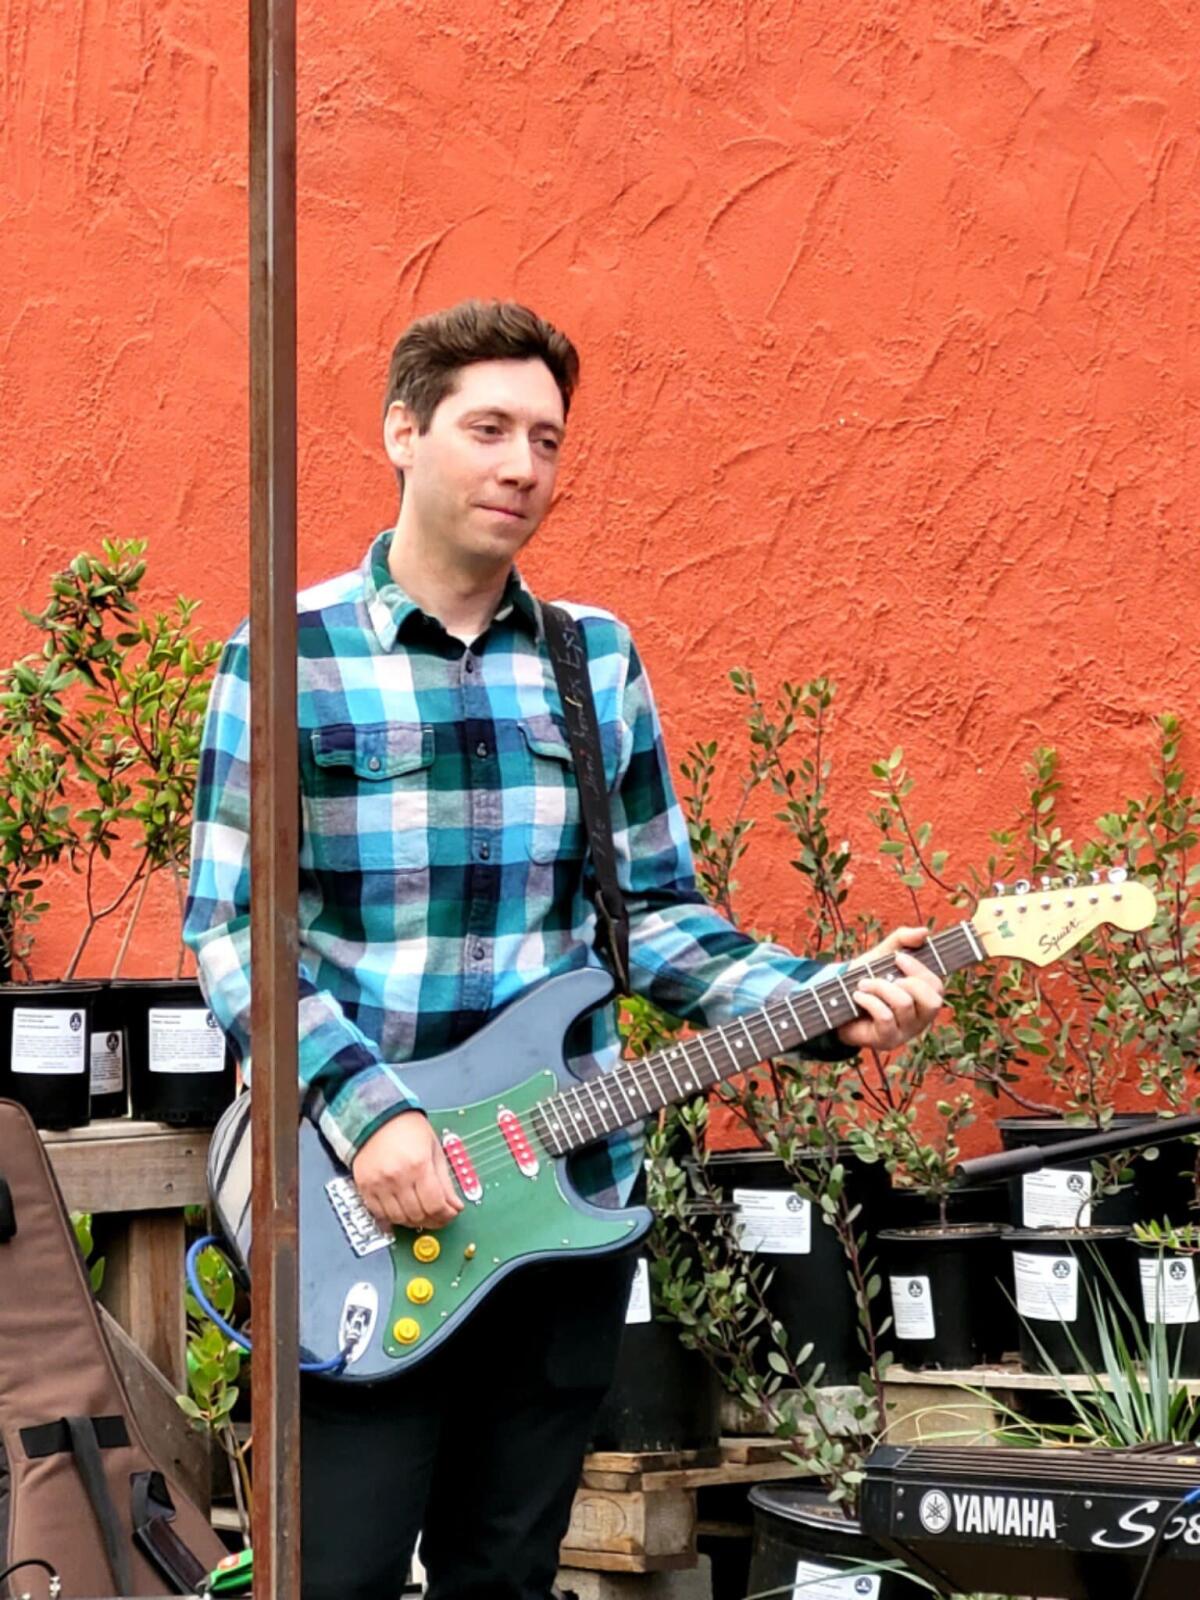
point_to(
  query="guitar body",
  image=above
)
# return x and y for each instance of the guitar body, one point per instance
(402, 1297)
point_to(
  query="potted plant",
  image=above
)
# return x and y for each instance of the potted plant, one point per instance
(124, 724)
(44, 1027)
(663, 1396)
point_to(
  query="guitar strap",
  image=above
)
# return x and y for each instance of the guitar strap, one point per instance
(568, 655)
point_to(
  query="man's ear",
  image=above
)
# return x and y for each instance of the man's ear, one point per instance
(399, 430)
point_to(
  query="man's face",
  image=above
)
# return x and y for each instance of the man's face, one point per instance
(481, 479)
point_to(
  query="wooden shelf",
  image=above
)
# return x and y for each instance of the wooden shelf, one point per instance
(1011, 1378)
(121, 1165)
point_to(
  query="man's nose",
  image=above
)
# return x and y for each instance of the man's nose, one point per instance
(518, 463)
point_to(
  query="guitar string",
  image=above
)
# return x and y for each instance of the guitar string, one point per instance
(484, 1147)
(491, 1147)
(647, 1069)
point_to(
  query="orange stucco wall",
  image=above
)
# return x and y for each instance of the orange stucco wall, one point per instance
(887, 316)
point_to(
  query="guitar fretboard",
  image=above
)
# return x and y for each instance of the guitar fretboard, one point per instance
(635, 1090)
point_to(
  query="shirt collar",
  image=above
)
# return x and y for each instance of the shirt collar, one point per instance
(389, 607)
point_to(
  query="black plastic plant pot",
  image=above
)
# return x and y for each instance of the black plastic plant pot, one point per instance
(1166, 1295)
(809, 1291)
(181, 1070)
(44, 1034)
(663, 1396)
(948, 1305)
(806, 1546)
(108, 1057)
(1060, 1196)
(1055, 1276)
(977, 1202)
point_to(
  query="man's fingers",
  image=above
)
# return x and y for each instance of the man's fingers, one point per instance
(449, 1189)
(384, 1203)
(428, 1196)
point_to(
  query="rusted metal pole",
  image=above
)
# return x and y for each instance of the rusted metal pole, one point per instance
(274, 823)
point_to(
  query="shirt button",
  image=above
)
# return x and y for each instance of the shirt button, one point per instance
(481, 749)
(485, 851)
(478, 952)
(469, 664)
(374, 763)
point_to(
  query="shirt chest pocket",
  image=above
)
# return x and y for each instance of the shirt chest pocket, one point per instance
(546, 802)
(369, 796)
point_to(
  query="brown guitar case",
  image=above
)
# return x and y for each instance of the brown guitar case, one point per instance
(79, 1487)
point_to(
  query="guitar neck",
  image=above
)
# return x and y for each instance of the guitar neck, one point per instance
(587, 1111)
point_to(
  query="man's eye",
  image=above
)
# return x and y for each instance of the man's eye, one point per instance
(490, 429)
(550, 446)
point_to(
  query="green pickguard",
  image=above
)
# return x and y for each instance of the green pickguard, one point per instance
(518, 1217)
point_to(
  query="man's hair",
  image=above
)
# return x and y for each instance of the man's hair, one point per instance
(431, 350)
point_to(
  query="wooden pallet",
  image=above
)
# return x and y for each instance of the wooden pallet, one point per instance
(636, 1511)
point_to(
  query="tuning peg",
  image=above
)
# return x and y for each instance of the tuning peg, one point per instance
(1022, 886)
(999, 887)
(1117, 875)
(1047, 882)
(1094, 877)
(1070, 880)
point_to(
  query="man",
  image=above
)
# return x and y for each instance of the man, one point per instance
(442, 872)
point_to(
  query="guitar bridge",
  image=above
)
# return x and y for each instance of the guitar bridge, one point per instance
(362, 1231)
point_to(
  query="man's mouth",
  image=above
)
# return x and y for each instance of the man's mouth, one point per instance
(505, 511)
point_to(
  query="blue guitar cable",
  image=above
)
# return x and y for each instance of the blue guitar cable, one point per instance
(1188, 1499)
(335, 1364)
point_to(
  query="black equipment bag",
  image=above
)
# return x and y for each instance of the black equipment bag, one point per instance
(79, 1488)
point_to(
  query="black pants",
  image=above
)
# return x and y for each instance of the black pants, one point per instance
(478, 1449)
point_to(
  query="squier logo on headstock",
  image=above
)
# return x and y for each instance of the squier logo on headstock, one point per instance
(1040, 923)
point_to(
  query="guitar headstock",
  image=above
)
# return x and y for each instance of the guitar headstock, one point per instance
(1040, 923)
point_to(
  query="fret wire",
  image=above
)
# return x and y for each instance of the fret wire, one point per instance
(561, 1136)
(671, 1073)
(849, 997)
(803, 1030)
(969, 930)
(618, 1077)
(635, 1079)
(599, 1105)
(583, 1108)
(548, 1135)
(814, 991)
(735, 1060)
(745, 1027)
(712, 1065)
(937, 956)
(779, 1044)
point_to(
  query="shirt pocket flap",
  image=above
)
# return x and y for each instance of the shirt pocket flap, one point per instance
(374, 750)
(546, 737)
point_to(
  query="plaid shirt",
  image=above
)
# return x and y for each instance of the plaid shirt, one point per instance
(442, 851)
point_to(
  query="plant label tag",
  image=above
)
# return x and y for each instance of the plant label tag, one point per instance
(1054, 1198)
(1047, 1287)
(912, 1308)
(773, 1222)
(815, 1582)
(185, 1039)
(108, 1062)
(1169, 1290)
(638, 1309)
(48, 1043)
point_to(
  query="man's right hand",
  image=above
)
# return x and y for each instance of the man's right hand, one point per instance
(404, 1177)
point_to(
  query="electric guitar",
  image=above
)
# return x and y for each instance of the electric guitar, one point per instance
(510, 1112)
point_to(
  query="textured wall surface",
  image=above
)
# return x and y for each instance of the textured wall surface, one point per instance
(887, 316)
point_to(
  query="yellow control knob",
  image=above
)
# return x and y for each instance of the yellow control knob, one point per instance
(420, 1291)
(406, 1330)
(426, 1248)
